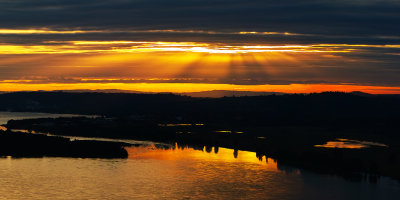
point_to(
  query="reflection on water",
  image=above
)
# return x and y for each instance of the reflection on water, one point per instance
(237, 132)
(350, 144)
(160, 171)
(179, 172)
(342, 145)
(180, 125)
(207, 154)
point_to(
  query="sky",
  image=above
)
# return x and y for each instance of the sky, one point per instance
(198, 45)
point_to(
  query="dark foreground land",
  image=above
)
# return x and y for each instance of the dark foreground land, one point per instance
(17, 144)
(284, 127)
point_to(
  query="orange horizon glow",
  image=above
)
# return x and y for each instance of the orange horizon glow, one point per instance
(123, 46)
(196, 87)
(178, 67)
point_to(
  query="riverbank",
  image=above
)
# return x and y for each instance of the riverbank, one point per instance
(18, 145)
(296, 146)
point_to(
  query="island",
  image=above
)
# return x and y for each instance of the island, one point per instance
(19, 144)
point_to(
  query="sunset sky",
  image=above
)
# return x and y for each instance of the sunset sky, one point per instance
(198, 45)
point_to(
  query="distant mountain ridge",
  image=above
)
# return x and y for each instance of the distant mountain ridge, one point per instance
(202, 94)
(211, 93)
(229, 93)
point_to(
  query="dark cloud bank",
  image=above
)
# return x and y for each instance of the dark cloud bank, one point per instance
(336, 18)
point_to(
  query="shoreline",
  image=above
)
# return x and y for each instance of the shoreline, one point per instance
(350, 164)
(21, 145)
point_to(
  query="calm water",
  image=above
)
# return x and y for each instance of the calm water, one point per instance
(151, 173)
(177, 173)
(5, 116)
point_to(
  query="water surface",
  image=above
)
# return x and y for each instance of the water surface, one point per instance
(180, 173)
(176, 173)
(350, 144)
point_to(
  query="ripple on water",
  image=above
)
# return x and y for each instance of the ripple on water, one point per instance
(176, 173)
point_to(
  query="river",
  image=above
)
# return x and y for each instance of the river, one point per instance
(177, 173)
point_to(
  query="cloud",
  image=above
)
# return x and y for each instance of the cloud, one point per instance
(131, 61)
(368, 17)
(47, 28)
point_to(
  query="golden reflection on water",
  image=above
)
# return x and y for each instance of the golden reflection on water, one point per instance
(180, 173)
(342, 145)
(163, 125)
(350, 144)
(3, 128)
(216, 154)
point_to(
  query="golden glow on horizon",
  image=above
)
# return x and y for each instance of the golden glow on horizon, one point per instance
(157, 61)
(76, 47)
(185, 66)
(197, 87)
(67, 47)
(267, 33)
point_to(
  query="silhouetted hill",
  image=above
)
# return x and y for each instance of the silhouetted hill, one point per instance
(284, 127)
(228, 93)
(211, 94)
(101, 91)
(332, 108)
